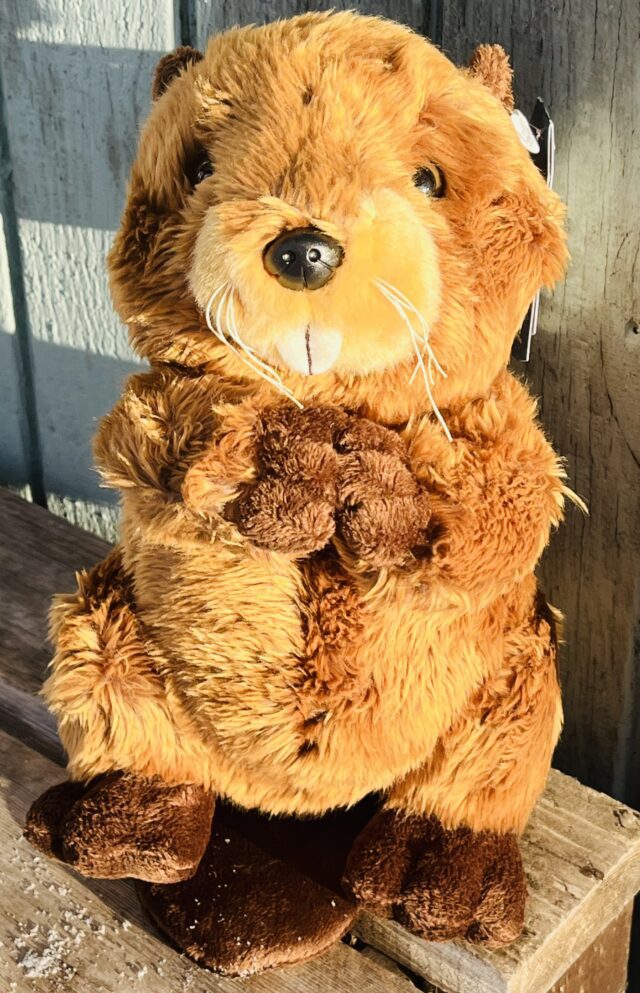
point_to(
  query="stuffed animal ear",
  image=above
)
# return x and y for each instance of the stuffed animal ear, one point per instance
(170, 66)
(490, 64)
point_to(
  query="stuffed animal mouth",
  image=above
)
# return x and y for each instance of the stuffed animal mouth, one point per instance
(310, 350)
(368, 282)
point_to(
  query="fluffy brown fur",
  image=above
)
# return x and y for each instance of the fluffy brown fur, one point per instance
(308, 606)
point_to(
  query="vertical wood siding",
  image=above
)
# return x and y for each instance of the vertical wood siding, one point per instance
(209, 16)
(583, 61)
(14, 443)
(75, 77)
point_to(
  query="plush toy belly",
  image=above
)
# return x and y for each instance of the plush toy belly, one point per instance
(300, 695)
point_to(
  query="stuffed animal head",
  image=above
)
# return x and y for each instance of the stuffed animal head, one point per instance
(329, 204)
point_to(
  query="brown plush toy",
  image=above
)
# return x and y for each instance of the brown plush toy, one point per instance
(334, 496)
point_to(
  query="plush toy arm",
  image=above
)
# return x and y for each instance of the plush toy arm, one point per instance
(146, 440)
(192, 464)
(496, 491)
(151, 444)
(287, 502)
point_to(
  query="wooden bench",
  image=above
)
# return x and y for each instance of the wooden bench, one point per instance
(61, 931)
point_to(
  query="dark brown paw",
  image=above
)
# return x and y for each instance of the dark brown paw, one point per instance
(440, 884)
(45, 817)
(245, 911)
(291, 506)
(123, 825)
(384, 515)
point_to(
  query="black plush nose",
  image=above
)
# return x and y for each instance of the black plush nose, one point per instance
(303, 259)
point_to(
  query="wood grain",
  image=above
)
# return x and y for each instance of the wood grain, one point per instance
(39, 555)
(582, 855)
(583, 61)
(582, 858)
(61, 932)
(603, 967)
(211, 16)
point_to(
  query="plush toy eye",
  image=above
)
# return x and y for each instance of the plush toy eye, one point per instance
(203, 171)
(430, 181)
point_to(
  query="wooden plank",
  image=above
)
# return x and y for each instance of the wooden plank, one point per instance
(582, 59)
(77, 81)
(207, 17)
(582, 857)
(603, 967)
(59, 931)
(39, 554)
(27, 718)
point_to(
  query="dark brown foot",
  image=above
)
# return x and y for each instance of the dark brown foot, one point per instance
(245, 911)
(440, 884)
(123, 825)
(46, 815)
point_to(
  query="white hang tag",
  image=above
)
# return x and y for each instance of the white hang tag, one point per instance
(541, 131)
(524, 132)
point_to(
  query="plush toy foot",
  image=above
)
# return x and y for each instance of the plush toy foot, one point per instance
(245, 911)
(440, 884)
(123, 825)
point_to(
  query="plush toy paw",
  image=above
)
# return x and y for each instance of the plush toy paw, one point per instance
(384, 514)
(440, 884)
(245, 910)
(291, 505)
(123, 825)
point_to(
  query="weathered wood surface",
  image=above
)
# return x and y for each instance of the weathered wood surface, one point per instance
(603, 967)
(582, 857)
(39, 555)
(206, 17)
(59, 931)
(583, 60)
(574, 929)
(581, 850)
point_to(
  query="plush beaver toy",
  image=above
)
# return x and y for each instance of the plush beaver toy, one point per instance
(334, 496)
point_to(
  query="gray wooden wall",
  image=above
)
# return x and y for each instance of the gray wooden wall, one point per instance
(74, 88)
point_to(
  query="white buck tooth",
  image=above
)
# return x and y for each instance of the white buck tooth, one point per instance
(310, 350)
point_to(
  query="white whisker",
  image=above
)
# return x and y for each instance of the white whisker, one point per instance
(259, 365)
(224, 327)
(219, 312)
(396, 299)
(425, 327)
(207, 313)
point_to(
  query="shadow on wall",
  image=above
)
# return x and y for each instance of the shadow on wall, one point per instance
(85, 386)
(72, 114)
(13, 468)
(84, 105)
